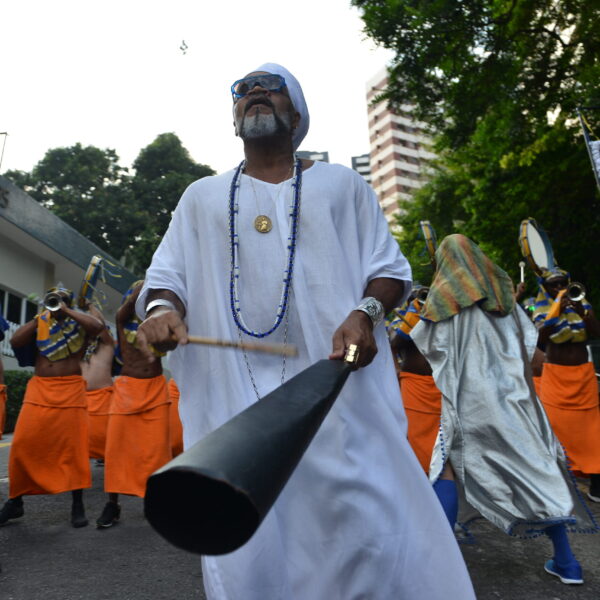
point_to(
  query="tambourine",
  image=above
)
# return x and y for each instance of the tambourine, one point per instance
(430, 240)
(88, 285)
(535, 246)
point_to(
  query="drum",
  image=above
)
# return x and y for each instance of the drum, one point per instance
(430, 240)
(88, 285)
(535, 246)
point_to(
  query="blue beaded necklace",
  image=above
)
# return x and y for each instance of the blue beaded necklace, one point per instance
(234, 244)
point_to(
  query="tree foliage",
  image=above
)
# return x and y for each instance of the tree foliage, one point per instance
(86, 187)
(499, 82)
(125, 214)
(163, 170)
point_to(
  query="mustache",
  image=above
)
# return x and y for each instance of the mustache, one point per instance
(258, 100)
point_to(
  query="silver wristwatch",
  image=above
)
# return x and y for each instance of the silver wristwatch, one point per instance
(373, 308)
(160, 302)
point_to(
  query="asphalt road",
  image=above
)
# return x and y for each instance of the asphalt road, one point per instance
(44, 558)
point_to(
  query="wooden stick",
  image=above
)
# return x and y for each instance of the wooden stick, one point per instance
(251, 346)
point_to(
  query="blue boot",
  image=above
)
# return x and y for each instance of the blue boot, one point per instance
(564, 565)
(571, 575)
(447, 494)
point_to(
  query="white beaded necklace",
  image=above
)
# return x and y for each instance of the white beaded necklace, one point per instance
(234, 244)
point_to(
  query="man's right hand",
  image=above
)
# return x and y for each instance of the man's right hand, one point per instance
(164, 329)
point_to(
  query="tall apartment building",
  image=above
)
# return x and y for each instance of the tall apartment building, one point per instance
(399, 149)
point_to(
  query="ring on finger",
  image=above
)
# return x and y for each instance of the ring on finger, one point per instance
(352, 353)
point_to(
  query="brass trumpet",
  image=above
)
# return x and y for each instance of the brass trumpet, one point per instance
(575, 291)
(52, 301)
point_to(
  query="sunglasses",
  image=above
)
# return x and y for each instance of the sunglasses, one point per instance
(269, 82)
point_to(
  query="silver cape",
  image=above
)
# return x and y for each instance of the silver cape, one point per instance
(493, 428)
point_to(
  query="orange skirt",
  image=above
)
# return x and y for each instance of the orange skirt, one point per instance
(137, 440)
(423, 406)
(174, 420)
(49, 451)
(2, 409)
(570, 397)
(98, 403)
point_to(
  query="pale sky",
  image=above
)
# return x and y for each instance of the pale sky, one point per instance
(111, 74)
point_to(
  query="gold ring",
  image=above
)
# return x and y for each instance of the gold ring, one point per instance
(351, 354)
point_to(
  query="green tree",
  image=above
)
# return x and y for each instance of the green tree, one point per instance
(163, 170)
(499, 82)
(124, 214)
(87, 188)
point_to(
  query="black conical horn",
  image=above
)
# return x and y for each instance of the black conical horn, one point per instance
(212, 498)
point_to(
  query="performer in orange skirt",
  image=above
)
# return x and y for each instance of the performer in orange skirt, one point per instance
(423, 406)
(137, 439)
(570, 398)
(96, 369)
(49, 452)
(54, 408)
(175, 421)
(569, 390)
(420, 396)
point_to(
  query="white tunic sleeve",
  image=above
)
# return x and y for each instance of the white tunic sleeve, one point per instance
(167, 270)
(381, 255)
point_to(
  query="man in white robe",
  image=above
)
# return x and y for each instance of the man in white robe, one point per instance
(358, 518)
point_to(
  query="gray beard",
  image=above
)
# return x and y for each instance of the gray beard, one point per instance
(261, 125)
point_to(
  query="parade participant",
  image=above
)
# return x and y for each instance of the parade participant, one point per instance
(309, 248)
(3, 327)
(421, 399)
(176, 429)
(569, 388)
(494, 432)
(96, 368)
(137, 439)
(50, 449)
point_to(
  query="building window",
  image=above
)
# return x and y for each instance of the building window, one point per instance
(13, 308)
(31, 309)
(16, 309)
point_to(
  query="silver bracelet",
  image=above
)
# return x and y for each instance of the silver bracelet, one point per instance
(373, 308)
(160, 302)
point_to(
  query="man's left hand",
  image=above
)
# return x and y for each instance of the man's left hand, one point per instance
(356, 329)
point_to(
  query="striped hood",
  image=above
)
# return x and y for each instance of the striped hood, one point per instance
(466, 276)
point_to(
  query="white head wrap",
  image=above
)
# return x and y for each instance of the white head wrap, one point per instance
(296, 96)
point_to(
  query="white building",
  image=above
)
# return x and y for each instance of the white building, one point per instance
(399, 149)
(37, 250)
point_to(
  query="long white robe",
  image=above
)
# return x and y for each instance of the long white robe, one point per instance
(494, 430)
(358, 518)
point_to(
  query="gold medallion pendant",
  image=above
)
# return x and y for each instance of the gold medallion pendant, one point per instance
(263, 224)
